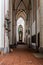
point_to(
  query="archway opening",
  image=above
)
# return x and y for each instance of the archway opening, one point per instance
(20, 30)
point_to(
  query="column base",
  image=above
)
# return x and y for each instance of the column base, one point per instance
(6, 50)
(41, 49)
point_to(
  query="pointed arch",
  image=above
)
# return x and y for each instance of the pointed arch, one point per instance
(21, 22)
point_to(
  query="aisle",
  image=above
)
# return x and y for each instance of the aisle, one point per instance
(20, 56)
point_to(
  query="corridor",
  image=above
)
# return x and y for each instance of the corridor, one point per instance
(20, 56)
(21, 32)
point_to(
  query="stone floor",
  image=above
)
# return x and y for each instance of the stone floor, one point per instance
(20, 56)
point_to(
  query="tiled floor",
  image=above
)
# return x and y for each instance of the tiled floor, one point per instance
(20, 56)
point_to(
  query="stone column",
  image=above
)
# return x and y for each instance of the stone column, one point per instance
(4, 39)
(1, 24)
(0, 15)
(10, 15)
(41, 25)
(6, 12)
(31, 21)
(36, 24)
(15, 27)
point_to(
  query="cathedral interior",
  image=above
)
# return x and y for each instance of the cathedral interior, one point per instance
(21, 32)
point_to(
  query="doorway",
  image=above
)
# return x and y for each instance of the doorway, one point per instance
(20, 30)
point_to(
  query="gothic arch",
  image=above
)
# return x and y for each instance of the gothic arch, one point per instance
(21, 14)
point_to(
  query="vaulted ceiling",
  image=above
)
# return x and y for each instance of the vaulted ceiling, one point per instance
(21, 4)
(22, 8)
